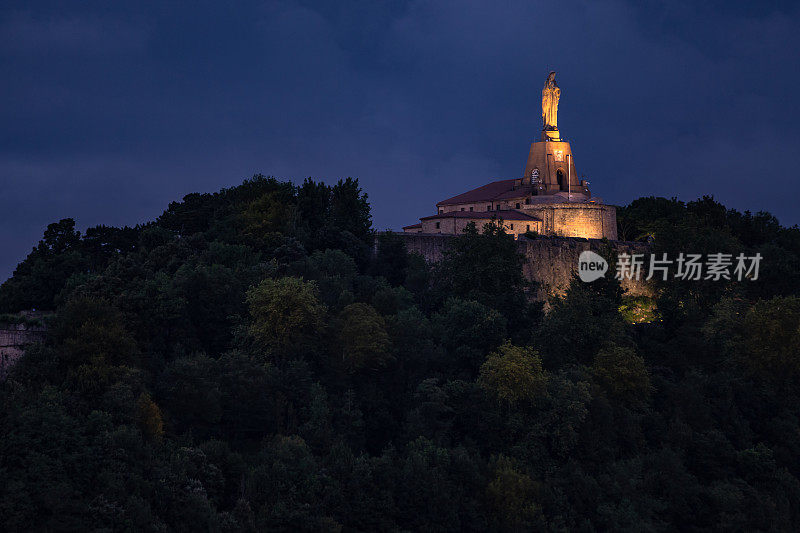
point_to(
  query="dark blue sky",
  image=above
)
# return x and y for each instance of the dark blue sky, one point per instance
(109, 113)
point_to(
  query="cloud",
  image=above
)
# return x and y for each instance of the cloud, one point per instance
(109, 116)
(69, 34)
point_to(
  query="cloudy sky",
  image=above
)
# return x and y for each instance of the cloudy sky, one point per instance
(108, 113)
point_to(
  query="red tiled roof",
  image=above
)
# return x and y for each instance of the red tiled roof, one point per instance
(488, 192)
(515, 193)
(505, 214)
(413, 226)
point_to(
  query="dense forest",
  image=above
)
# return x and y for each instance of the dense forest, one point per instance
(261, 359)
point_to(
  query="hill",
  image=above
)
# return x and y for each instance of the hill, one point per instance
(247, 362)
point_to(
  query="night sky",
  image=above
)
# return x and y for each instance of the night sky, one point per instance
(109, 113)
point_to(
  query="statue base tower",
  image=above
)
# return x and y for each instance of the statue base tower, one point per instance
(550, 169)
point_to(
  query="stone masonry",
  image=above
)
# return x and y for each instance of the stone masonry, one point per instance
(14, 337)
(549, 261)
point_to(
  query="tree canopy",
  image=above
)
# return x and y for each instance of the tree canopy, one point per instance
(257, 359)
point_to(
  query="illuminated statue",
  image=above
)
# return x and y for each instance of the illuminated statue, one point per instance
(550, 95)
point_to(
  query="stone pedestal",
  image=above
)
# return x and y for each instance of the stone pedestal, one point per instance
(551, 135)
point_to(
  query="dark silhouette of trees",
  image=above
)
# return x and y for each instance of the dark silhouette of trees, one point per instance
(255, 359)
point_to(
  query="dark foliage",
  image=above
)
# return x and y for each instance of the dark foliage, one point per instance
(247, 363)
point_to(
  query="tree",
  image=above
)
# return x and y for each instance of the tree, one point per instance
(582, 321)
(771, 338)
(389, 301)
(391, 258)
(438, 488)
(640, 219)
(59, 237)
(622, 374)
(103, 243)
(313, 203)
(286, 313)
(362, 337)
(350, 209)
(513, 374)
(332, 264)
(468, 330)
(413, 345)
(188, 389)
(148, 418)
(38, 279)
(92, 332)
(268, 217)
(487, 267)
(511, 494)
(250, 396)
(287, 489)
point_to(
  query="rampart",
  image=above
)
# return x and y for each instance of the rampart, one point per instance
(549, 261)
(15, 335)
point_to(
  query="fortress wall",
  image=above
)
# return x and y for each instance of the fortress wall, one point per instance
(429, 246)
(610, 223)
(549, 261)
(456, 226)
(13, 339)
(591, 221)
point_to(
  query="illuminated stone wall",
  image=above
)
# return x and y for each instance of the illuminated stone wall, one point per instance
(584, 220)
(549, 261)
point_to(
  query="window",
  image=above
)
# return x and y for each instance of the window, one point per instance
(512, 226)
(560, 178)
(517, 205)
(462, 208)
(441, 211)
(527, 227)
(498, 207)
(470, 208)
(437, 225)
(527, 201)
(488, 208)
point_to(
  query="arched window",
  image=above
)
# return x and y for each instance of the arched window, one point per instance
(560, 178)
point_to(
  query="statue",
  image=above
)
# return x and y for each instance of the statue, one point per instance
(550, 95)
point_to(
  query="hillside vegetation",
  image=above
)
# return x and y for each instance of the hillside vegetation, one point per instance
(247, 363)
